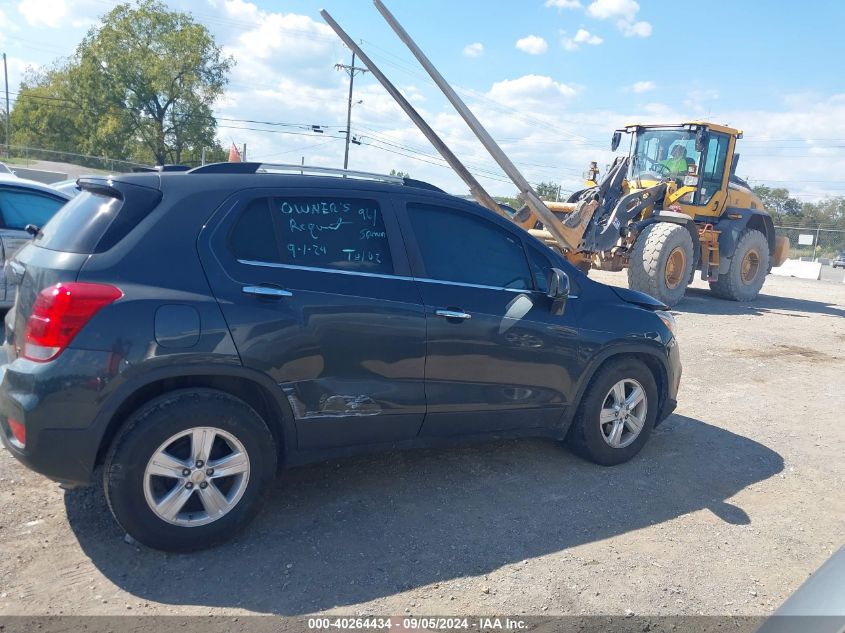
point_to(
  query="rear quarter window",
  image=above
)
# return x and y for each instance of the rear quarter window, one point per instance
(79, 225)
(94, 221)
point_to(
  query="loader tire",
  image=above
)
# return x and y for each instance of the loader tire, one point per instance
(748, 269)
(661, 262)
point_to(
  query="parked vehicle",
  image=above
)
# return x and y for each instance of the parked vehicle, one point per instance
(68, 186)
(22, 202)
(817, 606)
(839, 261)
(192, 331)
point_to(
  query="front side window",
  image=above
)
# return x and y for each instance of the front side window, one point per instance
(664, 154)
(325, 232)
(540, 268)
(714, 166)
(20, 208)
(462, 247)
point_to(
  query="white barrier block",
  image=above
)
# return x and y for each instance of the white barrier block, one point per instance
(796, 268)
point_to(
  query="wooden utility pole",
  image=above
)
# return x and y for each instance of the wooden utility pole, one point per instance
(8, 122)
(351, 69)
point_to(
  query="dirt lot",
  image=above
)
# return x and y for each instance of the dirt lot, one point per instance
(735, 500)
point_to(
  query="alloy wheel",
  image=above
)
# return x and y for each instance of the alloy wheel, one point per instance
(623, 413)
(196, 476)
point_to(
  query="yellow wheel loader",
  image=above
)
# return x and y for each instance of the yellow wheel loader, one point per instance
(672, 206)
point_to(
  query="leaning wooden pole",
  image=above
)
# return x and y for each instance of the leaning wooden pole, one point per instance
(566, 237)
(478, 192)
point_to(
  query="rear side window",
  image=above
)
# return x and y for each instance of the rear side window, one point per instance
(461, 247)
(20, 208)
(80, 224)
(331, 232)
(95, 220)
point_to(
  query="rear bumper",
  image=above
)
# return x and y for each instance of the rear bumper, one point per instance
(57, 408)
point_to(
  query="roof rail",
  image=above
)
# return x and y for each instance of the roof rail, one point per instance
(257, 168)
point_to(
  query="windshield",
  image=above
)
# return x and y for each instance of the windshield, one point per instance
(662, 154)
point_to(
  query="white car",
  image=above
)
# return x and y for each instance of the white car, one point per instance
(22, 202)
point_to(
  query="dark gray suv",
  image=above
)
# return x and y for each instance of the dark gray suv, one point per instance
(191, 332)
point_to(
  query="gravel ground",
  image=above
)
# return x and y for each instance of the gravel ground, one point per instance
(735, 500)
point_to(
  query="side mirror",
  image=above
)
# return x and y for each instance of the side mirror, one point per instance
(614, 142)
(558, 290)
(701, 138)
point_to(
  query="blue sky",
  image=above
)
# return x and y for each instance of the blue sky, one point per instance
(550, 78)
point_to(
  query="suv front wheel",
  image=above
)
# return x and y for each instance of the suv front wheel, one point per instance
(616, 414)
(189, 469)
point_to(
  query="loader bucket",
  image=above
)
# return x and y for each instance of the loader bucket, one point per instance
(781, 250)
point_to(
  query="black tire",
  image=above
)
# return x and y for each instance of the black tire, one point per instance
(655, 247)
(734, 284)
(145, 432)
(584, 267)
(586, 436)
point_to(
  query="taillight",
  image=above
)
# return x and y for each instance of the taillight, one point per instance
(60, 311)
(18, 432)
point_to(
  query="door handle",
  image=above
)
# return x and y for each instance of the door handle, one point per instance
(452, 314)
(266, 291)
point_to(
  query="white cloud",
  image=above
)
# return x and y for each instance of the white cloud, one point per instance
(64, 14)
(607, 9)
(635, 29)
(642, 86)
(50, 13)
(582, 36)
(696, 99)
(474, 50)
(532, 44)
(564, 4)
(531, 88)
(624, 12)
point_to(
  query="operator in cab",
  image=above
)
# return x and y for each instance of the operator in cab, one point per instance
(677, 162)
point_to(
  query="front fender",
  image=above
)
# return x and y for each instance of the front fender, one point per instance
(733, 223)
(652, 348)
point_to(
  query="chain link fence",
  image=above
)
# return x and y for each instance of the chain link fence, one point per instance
(33, 156)
(813, 243)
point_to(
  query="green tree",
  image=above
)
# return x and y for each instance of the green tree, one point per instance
(140, 85)
(547, 191)
(162, 69)
(778, 202)
(399, 174)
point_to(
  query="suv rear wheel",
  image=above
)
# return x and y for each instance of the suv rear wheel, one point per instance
(189, 469)
(616, 414)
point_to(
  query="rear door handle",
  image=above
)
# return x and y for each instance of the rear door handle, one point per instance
(452, 314)
(267, 291)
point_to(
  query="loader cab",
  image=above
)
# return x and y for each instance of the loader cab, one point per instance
(695, 156)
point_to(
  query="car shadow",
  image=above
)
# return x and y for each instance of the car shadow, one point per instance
(353, 530)
(701, 301)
